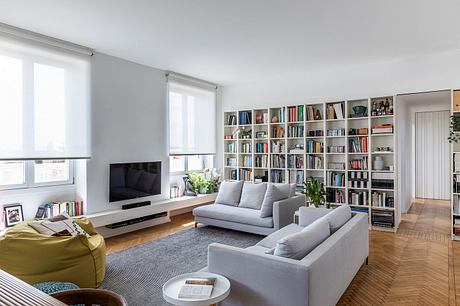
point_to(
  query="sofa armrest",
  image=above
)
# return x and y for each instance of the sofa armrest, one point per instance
(335, 262)
(283, 211)
(309, 214)
(259, 279)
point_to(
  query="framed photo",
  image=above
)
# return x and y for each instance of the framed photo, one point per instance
(13, 214)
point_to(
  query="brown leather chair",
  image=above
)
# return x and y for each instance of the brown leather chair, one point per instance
(89, 296)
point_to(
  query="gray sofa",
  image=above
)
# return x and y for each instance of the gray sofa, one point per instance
(255, 208)
(259, 278)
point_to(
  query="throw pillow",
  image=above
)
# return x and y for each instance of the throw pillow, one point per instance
(298, 245)
(253, 195)
(338, 217)
(66, 227)
(229, 193)
(275, 192)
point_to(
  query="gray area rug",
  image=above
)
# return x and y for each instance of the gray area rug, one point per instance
(138, 273)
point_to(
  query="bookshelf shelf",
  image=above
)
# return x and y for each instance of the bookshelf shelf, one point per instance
(305, 127)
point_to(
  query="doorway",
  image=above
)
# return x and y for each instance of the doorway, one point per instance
(432, 155)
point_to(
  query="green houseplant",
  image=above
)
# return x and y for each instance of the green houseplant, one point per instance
(206, 182)
(454, 128)
(314, 191)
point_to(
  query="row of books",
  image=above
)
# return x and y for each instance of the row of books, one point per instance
(359, 145)
(261, 161)
(382, 199)
(245, 174)
(382, 184)
(336, 149)
(261, 147)
(314, 162)
(295, 131)
(279, 114)
(246, 147)
(335, 111)
(278, 161)
(245, 117)
(358, 184)
(313, 113)
(231, 120)
(246, 161)
(314, 146)
(359, 163)
(456, 183)
(315, 133)
(382, 218)
(295, 113)
(335, 196)
(277, 132)
(297, 177)
(335, 179)
(231, 147)
(295, 161)
(231, 162)
(277, 176)
(336, 132)
(72, 208)
(358, 198)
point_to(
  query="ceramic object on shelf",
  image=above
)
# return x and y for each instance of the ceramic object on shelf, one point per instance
(378, 163)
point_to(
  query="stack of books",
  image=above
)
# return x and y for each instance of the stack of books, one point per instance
(197, 288)
(72, 208)
(382, 129)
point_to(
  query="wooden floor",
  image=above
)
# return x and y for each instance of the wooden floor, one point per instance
(419, 265)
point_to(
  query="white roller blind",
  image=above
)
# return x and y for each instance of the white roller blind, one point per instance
(192, 119)
(44, 101)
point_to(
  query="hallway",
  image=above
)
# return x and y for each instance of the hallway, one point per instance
(419, 265)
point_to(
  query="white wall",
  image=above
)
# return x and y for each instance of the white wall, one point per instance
(129, 124)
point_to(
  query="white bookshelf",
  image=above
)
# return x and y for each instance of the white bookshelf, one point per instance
(455, 175)
(336, 148)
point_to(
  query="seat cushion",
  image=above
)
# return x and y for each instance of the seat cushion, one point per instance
(298, 245)
(258, 249)
(338, 217)
(253, 195)
(271, 240)
(233, 214)
(229, 193)
(275, 192)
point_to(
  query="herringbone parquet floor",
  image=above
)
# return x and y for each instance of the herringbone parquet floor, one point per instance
(418, 265)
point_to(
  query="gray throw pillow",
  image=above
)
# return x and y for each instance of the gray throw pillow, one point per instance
(229, 193)
(298, 245)
(253, 195)
(275, 192)
(338, 217)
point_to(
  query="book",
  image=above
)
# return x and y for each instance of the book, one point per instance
(195, 291)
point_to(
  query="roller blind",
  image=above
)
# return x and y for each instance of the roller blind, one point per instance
(192, 119)
(44, 101)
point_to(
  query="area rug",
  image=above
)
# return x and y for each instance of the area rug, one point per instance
(138, 273)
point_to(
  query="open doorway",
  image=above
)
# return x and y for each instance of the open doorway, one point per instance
(423, 127)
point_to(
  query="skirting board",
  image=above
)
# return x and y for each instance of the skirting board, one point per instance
(109, 232)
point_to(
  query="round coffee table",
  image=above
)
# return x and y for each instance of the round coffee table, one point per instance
(172, 287)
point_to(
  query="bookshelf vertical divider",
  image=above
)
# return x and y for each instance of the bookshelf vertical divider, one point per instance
(284, 148)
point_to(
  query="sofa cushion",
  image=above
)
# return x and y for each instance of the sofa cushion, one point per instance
(229, 193)
(292, 190)
(275, 192)
(307, 215)
(253, 195)
(233, 214)
(298, 245)
(338, 217)
(258, 249)
(271, 240)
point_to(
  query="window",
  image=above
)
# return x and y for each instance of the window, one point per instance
(189, 163)
(35, 173)
(44, 106)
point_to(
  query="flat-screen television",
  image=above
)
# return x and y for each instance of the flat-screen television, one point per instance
(134, 180)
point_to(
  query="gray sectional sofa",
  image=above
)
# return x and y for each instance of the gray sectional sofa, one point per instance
(255, 208)
(310, 264)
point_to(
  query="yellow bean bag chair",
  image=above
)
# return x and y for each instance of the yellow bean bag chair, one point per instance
(36, 258)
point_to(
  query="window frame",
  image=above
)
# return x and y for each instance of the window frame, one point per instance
(29, 177)
(186, 163)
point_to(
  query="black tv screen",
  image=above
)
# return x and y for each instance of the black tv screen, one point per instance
(134, 180)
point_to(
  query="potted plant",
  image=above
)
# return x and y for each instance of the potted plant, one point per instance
(314, 191)
(206, 182)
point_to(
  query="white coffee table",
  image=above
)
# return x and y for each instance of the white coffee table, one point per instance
(172, 287)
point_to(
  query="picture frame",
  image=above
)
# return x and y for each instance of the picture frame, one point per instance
(13, 214)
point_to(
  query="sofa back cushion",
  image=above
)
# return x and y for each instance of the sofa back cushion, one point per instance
(338, 217)
(275, 192)
(298, 245)
(253, 195)
(229, 193)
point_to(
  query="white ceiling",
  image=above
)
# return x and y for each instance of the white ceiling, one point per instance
(235, 41)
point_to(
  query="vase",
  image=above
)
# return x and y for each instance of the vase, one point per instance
(378, 163)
